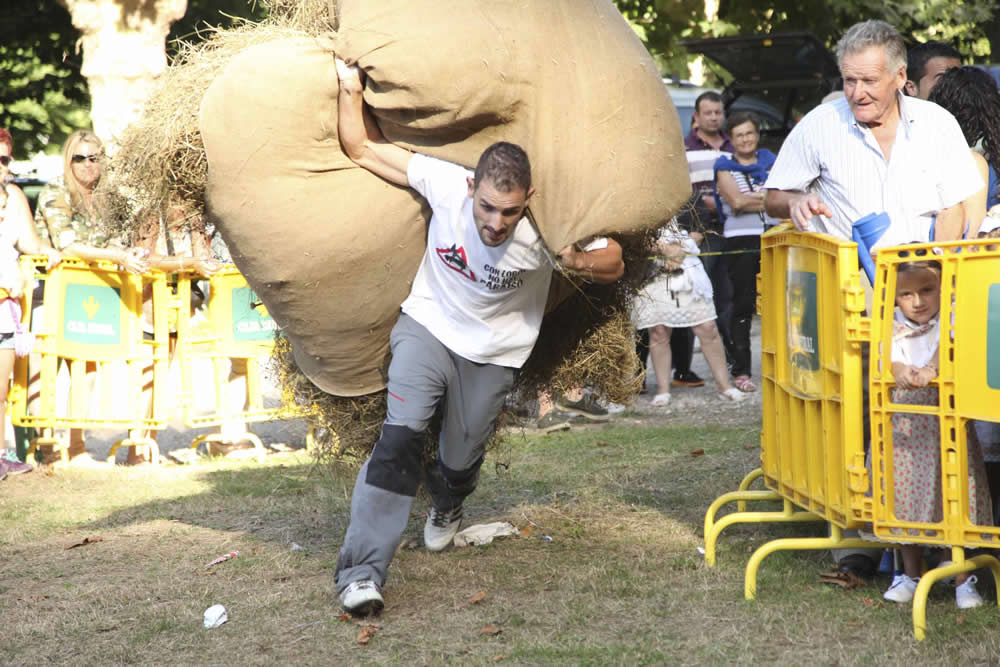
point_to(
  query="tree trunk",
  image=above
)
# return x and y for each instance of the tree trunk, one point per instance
(124, 51)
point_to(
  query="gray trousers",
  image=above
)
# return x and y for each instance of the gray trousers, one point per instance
(424, 376)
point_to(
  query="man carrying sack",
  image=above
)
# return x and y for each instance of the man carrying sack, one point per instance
(470, 321)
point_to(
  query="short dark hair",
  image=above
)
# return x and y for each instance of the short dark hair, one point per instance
(709, 95)
(917, 57)
(506, 165)
(740, 117)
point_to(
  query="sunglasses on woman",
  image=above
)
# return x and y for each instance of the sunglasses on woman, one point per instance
(77, 159)
(5, 160)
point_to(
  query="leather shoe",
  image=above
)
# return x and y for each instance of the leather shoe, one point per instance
(858, 565)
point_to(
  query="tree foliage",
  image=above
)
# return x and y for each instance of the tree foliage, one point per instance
(973, 26)
(43, 95)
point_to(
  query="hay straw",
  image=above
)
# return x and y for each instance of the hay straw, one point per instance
(161, 156)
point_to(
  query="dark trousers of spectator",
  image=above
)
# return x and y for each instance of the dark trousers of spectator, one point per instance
(743, 267)
(716, 266)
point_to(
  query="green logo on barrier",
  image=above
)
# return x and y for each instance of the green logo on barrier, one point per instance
(993, 338)
(251, 321)
(803, 325)
(92, 314)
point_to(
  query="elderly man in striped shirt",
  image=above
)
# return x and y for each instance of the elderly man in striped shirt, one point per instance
(872, 151)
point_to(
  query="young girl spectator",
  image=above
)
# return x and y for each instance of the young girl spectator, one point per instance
(916, 439)
(17, 236)
(682, 298)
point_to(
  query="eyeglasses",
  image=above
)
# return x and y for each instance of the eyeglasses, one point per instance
(77, 159)
(5, 160)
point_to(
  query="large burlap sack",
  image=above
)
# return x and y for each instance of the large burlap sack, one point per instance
(568, 80)
(330, 248)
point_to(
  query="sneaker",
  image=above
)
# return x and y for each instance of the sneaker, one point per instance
(901, 589)
(441, 527)
(732, 394)
(615, 408)
(661, 400)
(966, 595)
(687, 379)
(586, 406)
(8, 467)
(552, 421)
(362, 598)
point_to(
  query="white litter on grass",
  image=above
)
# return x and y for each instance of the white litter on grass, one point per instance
(701, 550)
(297, 547)
(215, 616)
(484, 533)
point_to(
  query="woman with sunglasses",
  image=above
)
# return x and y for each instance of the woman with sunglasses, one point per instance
(70, 217)
(17, 236)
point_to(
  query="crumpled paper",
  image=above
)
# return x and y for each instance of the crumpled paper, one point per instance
(215, 616)
(484, 533)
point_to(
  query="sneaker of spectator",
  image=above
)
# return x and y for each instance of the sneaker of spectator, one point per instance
(687, 379)
(553, 420)
(8, 467)
(587, 406)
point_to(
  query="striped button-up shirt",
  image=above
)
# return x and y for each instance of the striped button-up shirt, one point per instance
(930, 168)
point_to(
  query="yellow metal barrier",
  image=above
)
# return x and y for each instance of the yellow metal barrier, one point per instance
(812, 455)
(236, 338)
(968, 388)
(92, 322)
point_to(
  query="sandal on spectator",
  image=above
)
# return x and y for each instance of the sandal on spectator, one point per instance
(744, 384)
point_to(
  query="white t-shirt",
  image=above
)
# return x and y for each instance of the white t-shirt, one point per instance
(483, 303)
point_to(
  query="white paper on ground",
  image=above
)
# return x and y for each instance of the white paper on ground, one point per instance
(484, 533)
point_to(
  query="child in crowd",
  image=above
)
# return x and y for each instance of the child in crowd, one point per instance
(916, 439)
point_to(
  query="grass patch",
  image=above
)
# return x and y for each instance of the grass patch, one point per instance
(621, 582)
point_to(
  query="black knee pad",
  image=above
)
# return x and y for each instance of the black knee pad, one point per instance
(461, 482)
(395, 461)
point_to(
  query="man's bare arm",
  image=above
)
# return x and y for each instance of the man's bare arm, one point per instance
(800, 207)
(359, 134)
(602, 265)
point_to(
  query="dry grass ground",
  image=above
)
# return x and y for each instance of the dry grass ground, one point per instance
(621, 581)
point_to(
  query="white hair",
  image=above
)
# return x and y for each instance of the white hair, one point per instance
(866, 34)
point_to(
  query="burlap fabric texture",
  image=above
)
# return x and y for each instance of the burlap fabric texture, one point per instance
(330, 248)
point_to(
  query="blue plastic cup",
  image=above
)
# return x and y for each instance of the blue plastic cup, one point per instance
(866, 232)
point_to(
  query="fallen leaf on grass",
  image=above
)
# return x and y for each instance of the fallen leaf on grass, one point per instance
(868, 602)
(111, 629)
(846, 580)
(86, 541)
(366, 634)
(751, 445)
(959, 619)
(526, 531)
(601, 443)
(499, 658)
(344, 618)
(490, 631)
(478, 597)
(697, 452)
